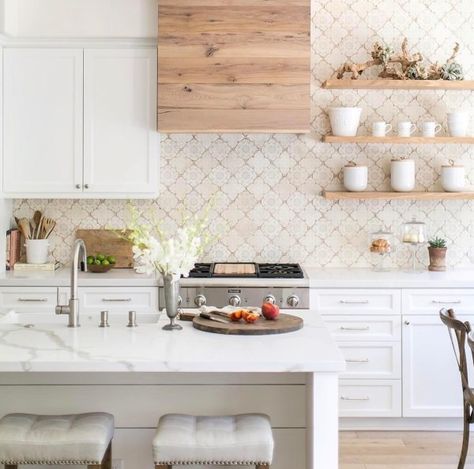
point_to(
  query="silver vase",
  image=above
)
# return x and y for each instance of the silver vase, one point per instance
(171, 291)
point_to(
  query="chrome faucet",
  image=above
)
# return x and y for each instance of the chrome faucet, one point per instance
(72, 308)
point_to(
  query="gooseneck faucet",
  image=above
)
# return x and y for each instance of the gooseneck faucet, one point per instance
(72, 308)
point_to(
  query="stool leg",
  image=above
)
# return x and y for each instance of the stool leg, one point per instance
(163, 466)
(11, 466)
(262, 466)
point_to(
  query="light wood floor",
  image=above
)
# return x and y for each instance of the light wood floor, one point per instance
(402, 450)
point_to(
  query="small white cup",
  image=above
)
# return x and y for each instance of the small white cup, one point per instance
(37, 251)
(406, 129)
(458, 123)
(381, 129)
(355, 177)
(431, 129)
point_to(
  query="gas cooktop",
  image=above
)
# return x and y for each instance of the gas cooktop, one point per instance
(246, 270)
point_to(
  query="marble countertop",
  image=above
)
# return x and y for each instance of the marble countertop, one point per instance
(316, 277)
(53, 347)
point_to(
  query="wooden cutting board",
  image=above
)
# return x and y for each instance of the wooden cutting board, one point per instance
(285, 323)
(108, 242)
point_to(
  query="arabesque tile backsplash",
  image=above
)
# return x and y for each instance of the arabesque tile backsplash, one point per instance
(268, 205)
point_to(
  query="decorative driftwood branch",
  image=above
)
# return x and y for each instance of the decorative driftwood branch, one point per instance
(404, 66)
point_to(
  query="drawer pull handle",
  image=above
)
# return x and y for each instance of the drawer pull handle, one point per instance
(344, 328)
(454, 302)
(117, 300)
(33, 300)
(346, 398)
(357, 360)
(354, 302)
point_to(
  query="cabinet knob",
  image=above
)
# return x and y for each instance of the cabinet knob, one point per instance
(78, 186)
(407, 323)
(86, 186)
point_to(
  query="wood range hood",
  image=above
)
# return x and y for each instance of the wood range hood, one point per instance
(234, 66)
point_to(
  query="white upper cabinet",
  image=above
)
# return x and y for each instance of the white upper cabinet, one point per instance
(120, 141)
(80, 123)
(43, 121)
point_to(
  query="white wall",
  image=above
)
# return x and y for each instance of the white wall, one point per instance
(81, 18)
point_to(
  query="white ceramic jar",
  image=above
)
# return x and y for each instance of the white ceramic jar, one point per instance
(453, 177)
(402, 175)
(355, 177)
(344, 121)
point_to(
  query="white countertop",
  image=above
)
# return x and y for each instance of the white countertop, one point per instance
(54, 347)
(316, 277)
(129, 278)
(366, 278)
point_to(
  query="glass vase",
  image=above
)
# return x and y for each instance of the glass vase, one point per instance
(171, 292)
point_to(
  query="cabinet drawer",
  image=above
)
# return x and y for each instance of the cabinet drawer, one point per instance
(363, 328)
(356, 301)
(372, 360)
(430, 301)
(118, 299)
(375, 398)
(28, 299)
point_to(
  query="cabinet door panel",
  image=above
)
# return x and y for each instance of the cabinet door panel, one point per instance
(43, 90)
(120, 140)
(431, 380)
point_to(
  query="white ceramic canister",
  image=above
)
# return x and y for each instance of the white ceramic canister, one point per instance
(453, 177)
(458, 123)
(344, 121)
(355, 177)
(37, 251)
(402, 175)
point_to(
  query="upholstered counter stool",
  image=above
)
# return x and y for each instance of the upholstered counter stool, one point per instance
(83, 439)
(231, 440)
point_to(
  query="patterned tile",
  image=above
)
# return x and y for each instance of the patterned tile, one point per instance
(266, 188)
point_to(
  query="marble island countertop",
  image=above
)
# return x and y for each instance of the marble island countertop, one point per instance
(42, 344)
(315, 277)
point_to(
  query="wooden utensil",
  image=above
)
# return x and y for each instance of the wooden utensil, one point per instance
(24, 227)
(48, 226)
(36, 222)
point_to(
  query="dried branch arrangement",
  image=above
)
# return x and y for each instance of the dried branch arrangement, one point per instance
(404, 66)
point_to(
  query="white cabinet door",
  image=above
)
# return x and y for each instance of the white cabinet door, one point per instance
(431, 380)
(43, 121)
(120, 139)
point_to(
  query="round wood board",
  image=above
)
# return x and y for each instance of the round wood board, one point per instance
(284, 323)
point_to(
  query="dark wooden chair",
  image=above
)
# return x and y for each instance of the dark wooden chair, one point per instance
(459, 333)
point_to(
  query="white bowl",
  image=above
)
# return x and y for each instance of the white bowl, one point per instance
(344, 121)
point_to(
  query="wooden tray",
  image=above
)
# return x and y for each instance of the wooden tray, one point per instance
(284, 323)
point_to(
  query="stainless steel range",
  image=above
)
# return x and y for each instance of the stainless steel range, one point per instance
(244, 284)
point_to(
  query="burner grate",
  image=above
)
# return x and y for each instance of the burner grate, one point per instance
(280, 271)
(202, 270)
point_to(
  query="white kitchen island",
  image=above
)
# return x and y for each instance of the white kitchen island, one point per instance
(140, 373)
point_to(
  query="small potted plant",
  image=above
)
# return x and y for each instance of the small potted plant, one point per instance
(437, 249)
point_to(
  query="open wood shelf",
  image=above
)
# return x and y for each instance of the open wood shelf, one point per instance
(396, 140)
(361, 84)
(343, 195)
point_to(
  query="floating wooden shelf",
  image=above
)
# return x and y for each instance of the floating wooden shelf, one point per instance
(398, 84)
(392, 140)
(343, 195)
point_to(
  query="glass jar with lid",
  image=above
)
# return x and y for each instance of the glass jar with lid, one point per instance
(381, 246)
(414, 234)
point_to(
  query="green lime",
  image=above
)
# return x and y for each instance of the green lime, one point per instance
(90, 260)
(97, 262)
(101, 257)
(112, 259)
(105, 262)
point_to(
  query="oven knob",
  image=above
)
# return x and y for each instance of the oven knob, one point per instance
(234, 300)
(200, 300)
(293, 301)
(269, 299)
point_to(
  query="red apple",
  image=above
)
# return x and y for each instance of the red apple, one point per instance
(270, 311)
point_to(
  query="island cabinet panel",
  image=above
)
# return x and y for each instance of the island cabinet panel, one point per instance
(234, 66)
